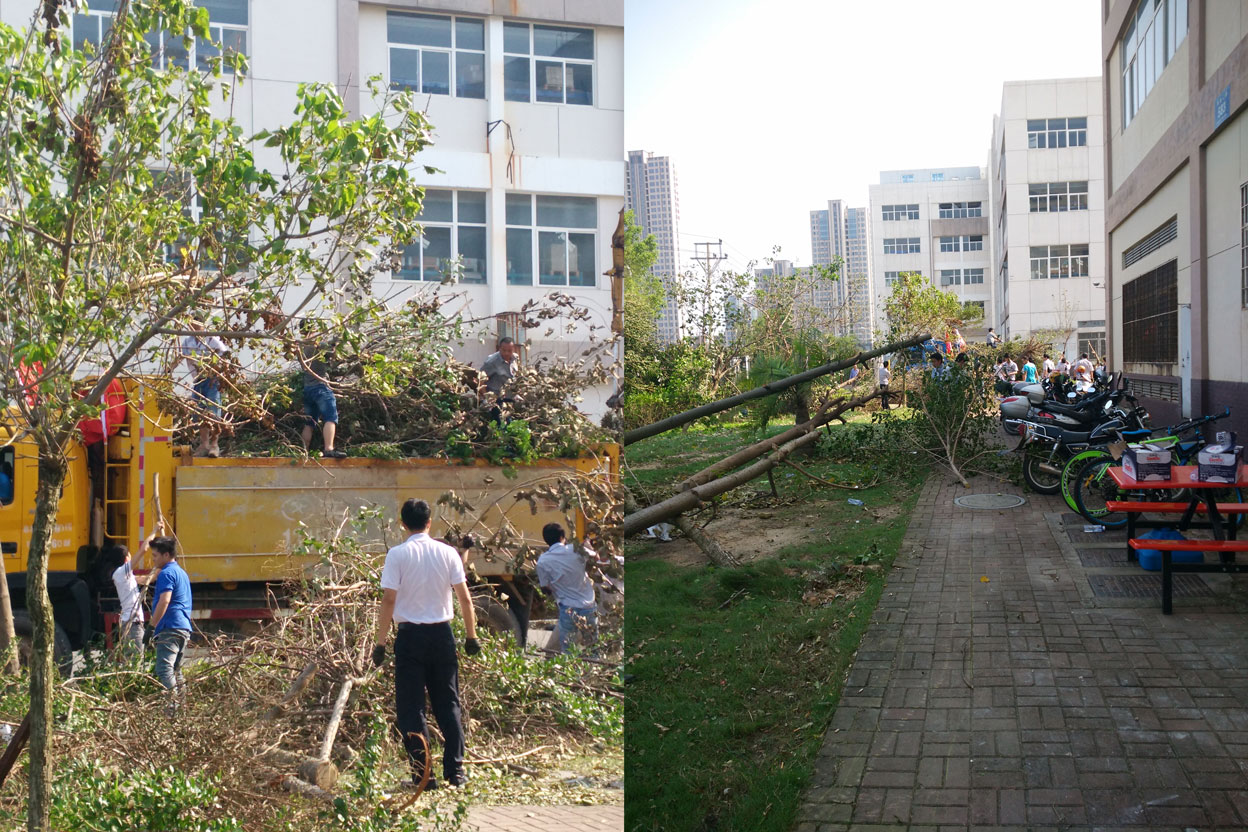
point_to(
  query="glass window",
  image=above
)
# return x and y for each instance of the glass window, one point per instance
(470, 75)
(1157, 29)
(452, 243)
(441, 48)
(938, 177)
(516, 38)
(435, 73)
(562, 42)
(561, 68)
(567, 211)
(469, 33)
(552, 258)
(549, 81)
(516, 78)
(519, 209)
(580, 259)
(418, 29)
(471, 206)
(471, 248)
(222, 11)
(8, 460)
(520, 256)
(438, 206)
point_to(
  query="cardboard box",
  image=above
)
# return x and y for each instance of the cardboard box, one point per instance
(1219, 464)
(1143, 463)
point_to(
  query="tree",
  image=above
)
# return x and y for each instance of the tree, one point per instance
(643, 292)
(104, 260)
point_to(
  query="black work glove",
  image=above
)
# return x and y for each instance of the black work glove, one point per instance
(379, 655)
(148, 633)
(472, 647)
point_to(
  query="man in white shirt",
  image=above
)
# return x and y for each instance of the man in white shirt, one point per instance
(199, 350)
(1083, 374)
(885, 377)
(130, 598)
(1048, 366)
(563, 573)
(418, 580)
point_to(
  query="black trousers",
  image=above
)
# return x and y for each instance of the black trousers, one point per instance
(425, 659)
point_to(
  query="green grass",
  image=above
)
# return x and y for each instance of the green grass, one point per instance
(736, 672)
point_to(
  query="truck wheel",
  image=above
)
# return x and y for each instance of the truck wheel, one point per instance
(495, 617)
(62, 652)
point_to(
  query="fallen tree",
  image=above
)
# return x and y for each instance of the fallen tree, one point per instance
(769, 389)
(695, 496)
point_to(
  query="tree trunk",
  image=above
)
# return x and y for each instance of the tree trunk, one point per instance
(801, 409)
(42, 679)
(709, 545)
(8, 637)
(664, 425)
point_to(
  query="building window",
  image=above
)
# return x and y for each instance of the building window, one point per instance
(960, 210)
(1156, 30)
(227, 30)
(549, 64)
(1092, 343)
(901, 212)
(977, 304)
(901, 245)
(452, 239)
(1243, 243)
(553, 237)
(938, 177)
(1059, 262)
(972, 242)
(1150, 317)
(1049, 197)
(1057, 132)
(907, 178)
(428, 51)
(892, 278)
(959, 277)
(971, 277)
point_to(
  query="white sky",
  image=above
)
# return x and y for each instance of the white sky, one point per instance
(769, 108)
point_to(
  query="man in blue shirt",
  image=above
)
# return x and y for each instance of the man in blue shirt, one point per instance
(171, 618)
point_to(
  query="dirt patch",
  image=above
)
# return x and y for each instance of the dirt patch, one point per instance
(749, 535)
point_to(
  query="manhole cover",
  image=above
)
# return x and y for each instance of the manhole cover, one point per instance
(1147, 586)
(989, 501)
(1103, 557)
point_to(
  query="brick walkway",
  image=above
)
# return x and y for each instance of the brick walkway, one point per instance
(1029, 701)
(546, 818)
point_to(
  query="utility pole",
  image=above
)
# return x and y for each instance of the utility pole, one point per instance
(710, 264)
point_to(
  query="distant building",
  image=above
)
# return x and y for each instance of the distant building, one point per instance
(933, 221)
(839, 234)
(1048, 213)
(653, 198)
(1176, 210)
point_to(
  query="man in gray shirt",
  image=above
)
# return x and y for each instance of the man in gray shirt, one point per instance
(500, 367)
(562, 572)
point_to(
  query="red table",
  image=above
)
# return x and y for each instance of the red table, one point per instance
(1206, 493)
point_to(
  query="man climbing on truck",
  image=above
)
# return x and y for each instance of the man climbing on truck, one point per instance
(198, 351)
(319, 401)
(171, 619)
(499, 369)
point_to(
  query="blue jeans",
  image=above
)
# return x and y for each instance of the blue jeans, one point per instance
(320, 404)
(577, 621)
(170, 652)
(208, 397)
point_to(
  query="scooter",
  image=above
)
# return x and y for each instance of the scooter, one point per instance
(1048, 447)
(1034, 405)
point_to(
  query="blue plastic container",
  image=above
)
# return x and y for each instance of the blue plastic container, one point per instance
(1150, 559)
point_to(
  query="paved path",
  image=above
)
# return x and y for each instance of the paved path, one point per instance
(1031, 701)
(546, 818)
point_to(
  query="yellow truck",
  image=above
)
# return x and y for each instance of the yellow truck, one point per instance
(239, 521)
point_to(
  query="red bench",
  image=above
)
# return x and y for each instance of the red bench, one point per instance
(1171, 508)
(1226, 548)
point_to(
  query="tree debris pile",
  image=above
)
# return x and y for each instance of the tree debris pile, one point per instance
(283, 722)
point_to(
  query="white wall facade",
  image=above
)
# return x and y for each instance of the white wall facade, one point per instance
(555, 149)
(927, 189)
(1024, 221)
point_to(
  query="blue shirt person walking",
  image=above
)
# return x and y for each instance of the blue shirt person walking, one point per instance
(171, 619)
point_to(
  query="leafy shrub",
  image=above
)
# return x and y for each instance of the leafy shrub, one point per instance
(88, 796)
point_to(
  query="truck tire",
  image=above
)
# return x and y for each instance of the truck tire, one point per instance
(495, 617)
(62, 652)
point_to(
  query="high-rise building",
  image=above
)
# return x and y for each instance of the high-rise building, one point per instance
(1047, 190)
(525, 179)
(839, 234)
(933, 221)
(653, 198)
(1176, 207)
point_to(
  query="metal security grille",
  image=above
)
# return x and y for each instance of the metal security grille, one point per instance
(1165, 234)
(1150, 317)
(1164, 391)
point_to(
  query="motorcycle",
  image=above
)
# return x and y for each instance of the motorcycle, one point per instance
(1048, 447)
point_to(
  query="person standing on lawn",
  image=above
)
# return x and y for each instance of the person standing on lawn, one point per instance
(418, 581)
(563, 573)
(885, 376)
(171, 619)
(318, 400)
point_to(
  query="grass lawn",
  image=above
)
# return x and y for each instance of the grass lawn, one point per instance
(736, 672)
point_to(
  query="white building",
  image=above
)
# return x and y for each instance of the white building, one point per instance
(653, 197)
(1047, 192)
(526, 98)
(840, 234)
(933, 221)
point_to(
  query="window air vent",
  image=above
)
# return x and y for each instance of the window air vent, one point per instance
(1165, 234)
(1165, 391)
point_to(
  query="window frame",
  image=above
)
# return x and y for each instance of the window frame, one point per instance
(910, 211)
(903, 245)
(533, 59)
(961, 242)
(1057, 197)
(1243, 244)
(1156, 30)
(1060, 261)
(159, 60)
(454, 224)
(453, 53)
(959, 210)
(535, 230)
(1057, 133)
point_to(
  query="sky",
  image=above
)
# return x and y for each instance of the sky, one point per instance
(769, 108)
